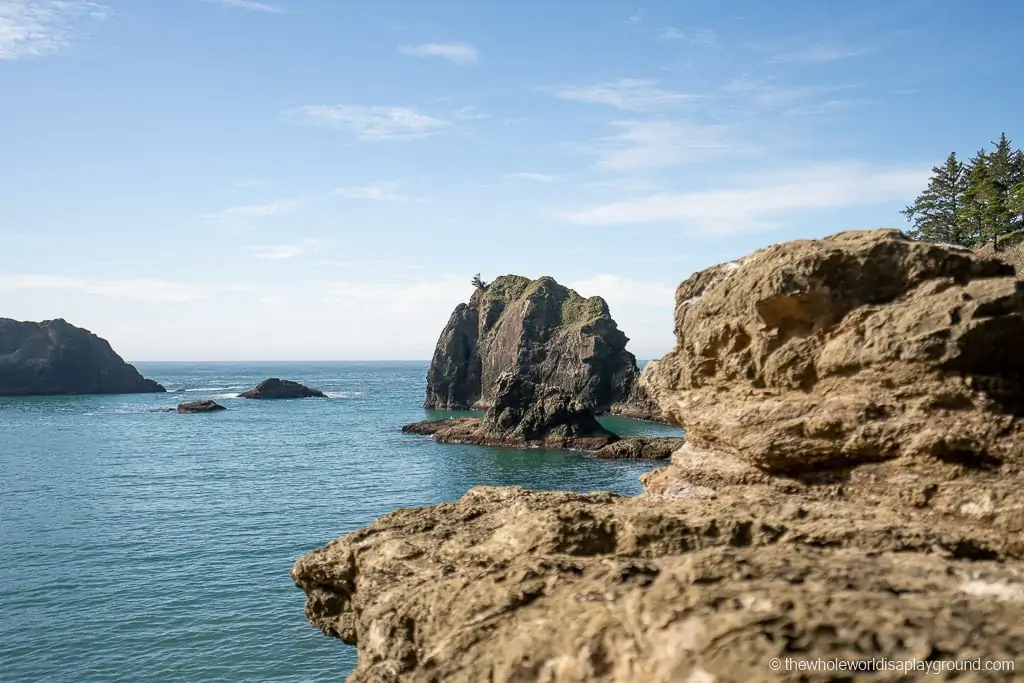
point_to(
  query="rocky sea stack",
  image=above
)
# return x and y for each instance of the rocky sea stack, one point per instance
(54, 357)
(281, 388)
(852, 488)
(206, 406)
(541, 330)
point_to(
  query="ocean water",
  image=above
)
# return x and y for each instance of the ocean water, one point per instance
(138, 545)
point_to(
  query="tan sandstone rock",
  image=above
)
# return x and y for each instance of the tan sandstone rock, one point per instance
(509, 585)
(852, 488)
(863, 346)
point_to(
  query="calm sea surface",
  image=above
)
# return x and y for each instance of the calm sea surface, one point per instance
(145, 546)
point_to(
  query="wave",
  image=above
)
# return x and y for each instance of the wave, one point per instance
(227, 388)
(343, 394)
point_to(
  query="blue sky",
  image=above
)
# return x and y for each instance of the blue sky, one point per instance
(319, 179)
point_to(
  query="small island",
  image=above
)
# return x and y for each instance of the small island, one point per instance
(275, 388)
(54, 357)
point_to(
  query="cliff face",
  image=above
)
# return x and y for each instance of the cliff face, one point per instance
(858, 347)
(852, 487)
(55, 357)
(541, 330)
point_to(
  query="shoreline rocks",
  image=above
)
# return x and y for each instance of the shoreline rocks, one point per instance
(566, 587)
(544, 331)
(851, 486)
(641, 448)
(54, 357)
(275, 388)
(524, 415)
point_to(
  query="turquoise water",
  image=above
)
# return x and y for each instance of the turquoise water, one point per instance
(146, 546)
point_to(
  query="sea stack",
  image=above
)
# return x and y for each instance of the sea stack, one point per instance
(54, 357)
(281, 388)
(540, 330)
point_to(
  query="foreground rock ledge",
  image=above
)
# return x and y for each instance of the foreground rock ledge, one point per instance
(704, 584)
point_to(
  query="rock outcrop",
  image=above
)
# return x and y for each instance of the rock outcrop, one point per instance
(641, 448)
(510, 585)
(54, 357)
(851, 489)
(206, 406)
(863, 346)
(523, 415)
(1011, 250)
(281, 388)
(542, 330)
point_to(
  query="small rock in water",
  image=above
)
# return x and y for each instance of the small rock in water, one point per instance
(200, 407)
(281, 388)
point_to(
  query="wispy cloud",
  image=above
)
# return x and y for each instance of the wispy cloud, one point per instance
(819, 54)
(35, 28)
(631, 94)
(756, 207)
(283, 252)
(769, 94)
(374, 123)
(702, 36)
(434, 295)
(382, 191)
(138, 290)
(637, 17)
(537, 177)
(616, 289)
(462, 54)
(236, 215)
(470, 113)
(250, 5)
(655, 144)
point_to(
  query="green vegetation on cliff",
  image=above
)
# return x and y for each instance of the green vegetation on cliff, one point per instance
(972, 204)
(575, 309)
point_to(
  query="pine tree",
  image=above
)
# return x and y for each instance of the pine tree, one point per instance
(1016, 205)
(973, 216)
(1002, 177)
(1015, 201)
(937, 214)
(477, 282)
